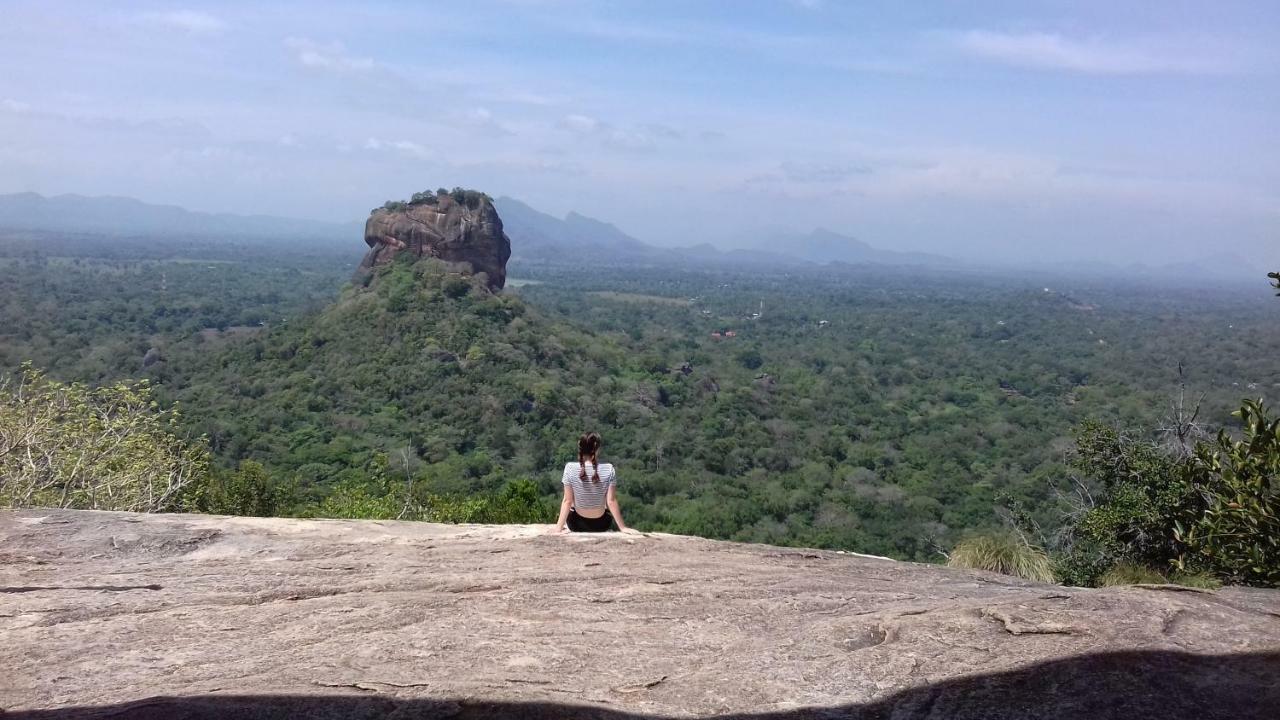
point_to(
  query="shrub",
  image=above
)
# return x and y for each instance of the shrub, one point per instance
(107, 448)
(1236, 532)
(1215, 514)
(1003, 553)
(1139, 493)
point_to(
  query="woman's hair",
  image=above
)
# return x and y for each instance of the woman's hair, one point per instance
(589, 447)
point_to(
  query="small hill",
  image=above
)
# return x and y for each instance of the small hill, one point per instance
(114, 615)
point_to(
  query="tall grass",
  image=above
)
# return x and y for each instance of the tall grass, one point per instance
(1007, 554)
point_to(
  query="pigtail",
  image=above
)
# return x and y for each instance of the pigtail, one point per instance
(589, 446)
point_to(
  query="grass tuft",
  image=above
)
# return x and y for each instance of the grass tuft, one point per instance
(1006, 554)
(1131, 574)
(1134, 574)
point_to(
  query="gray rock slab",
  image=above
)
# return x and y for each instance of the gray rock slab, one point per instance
(192, 616)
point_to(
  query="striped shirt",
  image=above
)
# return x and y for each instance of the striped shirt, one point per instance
(588, 494)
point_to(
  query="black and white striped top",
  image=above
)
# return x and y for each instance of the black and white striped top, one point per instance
(588, 494)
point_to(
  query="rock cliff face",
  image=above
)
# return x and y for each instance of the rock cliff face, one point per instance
(467, 236)
(187, 616)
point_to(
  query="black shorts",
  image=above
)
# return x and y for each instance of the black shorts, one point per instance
(577, 523)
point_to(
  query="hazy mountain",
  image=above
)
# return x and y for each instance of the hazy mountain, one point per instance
(536, 233)
(127, 216)
(824, 246)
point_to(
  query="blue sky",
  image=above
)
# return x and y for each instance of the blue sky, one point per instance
(993, 130)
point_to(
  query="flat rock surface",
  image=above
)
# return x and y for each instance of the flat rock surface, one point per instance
(181, 616)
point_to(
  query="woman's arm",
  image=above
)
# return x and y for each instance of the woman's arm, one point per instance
(565, 504)
(611, 499)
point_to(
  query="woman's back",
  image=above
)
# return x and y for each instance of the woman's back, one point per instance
(589, 493)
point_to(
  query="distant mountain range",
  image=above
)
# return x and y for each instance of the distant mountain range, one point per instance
(536, 233)
(126, 216)
(823, 246)
(536, 236)
(539, 237)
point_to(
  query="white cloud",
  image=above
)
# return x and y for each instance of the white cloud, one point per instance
(580, 123)
(14, 105)
(1095, 56)
(191, 21)
(327, 56)
(411, 149)
(408, 148)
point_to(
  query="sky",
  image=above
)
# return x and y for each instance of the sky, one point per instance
(1000, 131)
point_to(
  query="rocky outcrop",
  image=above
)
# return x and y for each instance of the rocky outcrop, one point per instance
(184, 616)
(465, 233)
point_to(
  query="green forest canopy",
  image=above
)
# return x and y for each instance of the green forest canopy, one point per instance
(876, 410)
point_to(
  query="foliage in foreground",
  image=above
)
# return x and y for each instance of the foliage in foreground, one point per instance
(1132, 496)
(1216, 512)
(1235, 533)
(517, 502)
(108, 448)
(1004, 553)
(252, 491)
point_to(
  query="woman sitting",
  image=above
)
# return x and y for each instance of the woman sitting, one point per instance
(590, 492)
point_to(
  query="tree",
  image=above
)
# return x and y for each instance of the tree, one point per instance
(249, 491)
(109, 448)
(1275, 280)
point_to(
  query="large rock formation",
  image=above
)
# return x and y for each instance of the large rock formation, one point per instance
(187, 616)
(464, 232)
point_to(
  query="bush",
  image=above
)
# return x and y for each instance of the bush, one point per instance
(1214, 514)
(1005, 553)
(1139, 493)
(1236, 532)
(106, 448)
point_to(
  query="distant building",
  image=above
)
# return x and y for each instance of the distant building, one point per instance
(715, 335)
(731, 333)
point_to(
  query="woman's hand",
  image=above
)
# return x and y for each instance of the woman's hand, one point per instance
(630, 531)
(559, 530)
